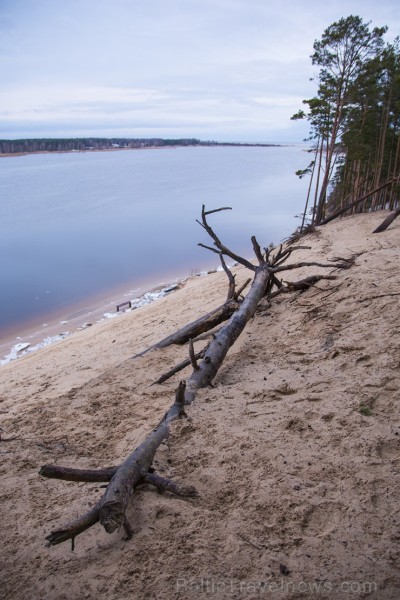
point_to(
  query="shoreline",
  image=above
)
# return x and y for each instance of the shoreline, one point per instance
(64, 322)
(17, 154)
(154, 147)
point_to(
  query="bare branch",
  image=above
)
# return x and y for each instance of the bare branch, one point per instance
(218, 242)
(301, 285)
(257, 250)
(378, 296)
(182, 365)
(278, 255)
(283, 256)
(276, 281)
(74, 528)
(310, 264)
(180, 396)
(231, 277)
(200, 223)
(166, 485)
(209, 248)
(240, 290)
(70, 474)
(273, 281)
(192, 356)
(197, 327)
(210, 212)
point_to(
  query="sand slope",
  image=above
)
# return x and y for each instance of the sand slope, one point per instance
(299, 490)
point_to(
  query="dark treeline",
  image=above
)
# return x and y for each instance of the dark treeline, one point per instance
(354, 120)
(81, 144)
(28, 145)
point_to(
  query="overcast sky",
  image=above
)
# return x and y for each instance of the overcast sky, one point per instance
(213, 69)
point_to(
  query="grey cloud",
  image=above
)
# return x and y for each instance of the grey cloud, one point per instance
(232, 67)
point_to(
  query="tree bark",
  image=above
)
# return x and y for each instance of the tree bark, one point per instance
(70, 474)
(114, 503)
(227, 336)
(71, 530)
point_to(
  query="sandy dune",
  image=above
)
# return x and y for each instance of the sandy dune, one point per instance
(295, 452)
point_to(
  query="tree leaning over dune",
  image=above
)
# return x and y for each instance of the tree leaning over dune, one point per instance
(110, 510)
(354, 121)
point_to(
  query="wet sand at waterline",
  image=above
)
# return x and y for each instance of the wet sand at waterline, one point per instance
(19, 340)
(295, 451)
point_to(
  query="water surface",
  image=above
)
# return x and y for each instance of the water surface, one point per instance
(75, 225)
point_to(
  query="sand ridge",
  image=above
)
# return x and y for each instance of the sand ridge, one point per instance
(295, 452)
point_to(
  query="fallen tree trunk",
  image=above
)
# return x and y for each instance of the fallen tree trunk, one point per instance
(228, 335)
(302, 285)
(114, 503)
(388, 221)
(110, 510)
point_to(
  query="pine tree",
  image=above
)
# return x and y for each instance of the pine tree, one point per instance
(351, 56)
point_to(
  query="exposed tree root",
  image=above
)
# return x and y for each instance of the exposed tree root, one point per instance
(299, 286)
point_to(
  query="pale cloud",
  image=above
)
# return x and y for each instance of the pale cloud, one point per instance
(31, 99)
(224, 69)
(119, 106)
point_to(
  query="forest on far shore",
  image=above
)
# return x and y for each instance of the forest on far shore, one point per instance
(28, 145)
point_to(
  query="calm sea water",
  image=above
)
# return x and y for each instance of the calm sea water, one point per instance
(76, 225)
